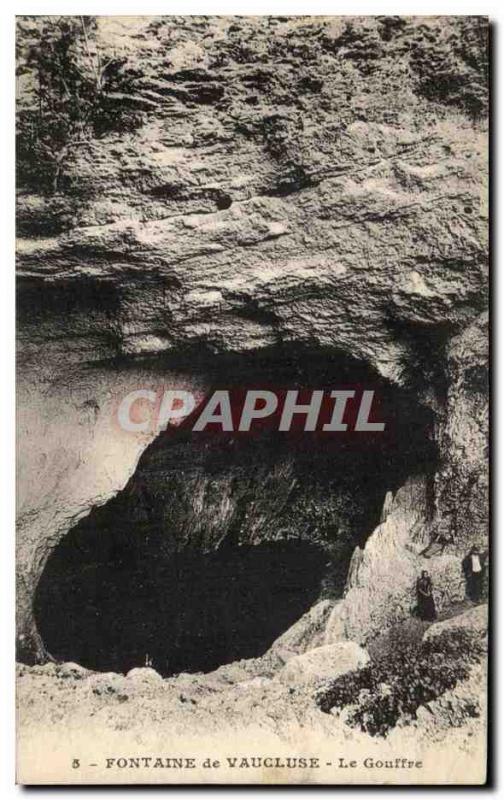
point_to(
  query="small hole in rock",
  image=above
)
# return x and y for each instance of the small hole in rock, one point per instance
(223, 201)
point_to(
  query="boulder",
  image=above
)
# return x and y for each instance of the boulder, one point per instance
(144, 675)
(475, 620)
(307, 633)
(108, 683)
(324, 663)
(71, 670)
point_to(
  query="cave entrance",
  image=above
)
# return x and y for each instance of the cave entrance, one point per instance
(193, 611)
(211, 552)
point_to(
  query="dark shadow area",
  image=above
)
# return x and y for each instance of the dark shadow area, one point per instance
(217, 545)
(113, 607)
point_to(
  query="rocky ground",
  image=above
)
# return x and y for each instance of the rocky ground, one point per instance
(257, 700)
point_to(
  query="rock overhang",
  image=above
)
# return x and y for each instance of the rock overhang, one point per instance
(353, 226)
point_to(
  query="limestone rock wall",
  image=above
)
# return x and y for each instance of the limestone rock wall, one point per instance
(463, 481)
(380, 589)
(250, 180)
(227, 185)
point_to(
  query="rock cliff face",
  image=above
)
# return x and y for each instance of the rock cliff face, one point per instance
(193, 190)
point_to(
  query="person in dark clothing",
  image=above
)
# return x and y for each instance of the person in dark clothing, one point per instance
(473, 568)
(425, 600)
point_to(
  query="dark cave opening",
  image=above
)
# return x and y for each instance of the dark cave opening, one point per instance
(214, 549)
(191, 612)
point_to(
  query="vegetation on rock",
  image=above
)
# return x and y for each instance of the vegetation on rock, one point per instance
(395, 686)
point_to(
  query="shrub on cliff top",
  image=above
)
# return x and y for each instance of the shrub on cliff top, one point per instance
(68, 93)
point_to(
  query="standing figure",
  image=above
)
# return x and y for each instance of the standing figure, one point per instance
(425, 599)
(473, 569)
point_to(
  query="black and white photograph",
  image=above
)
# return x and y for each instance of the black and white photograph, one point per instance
(252, 399)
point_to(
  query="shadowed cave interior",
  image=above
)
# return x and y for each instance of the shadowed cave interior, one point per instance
(213, 550)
